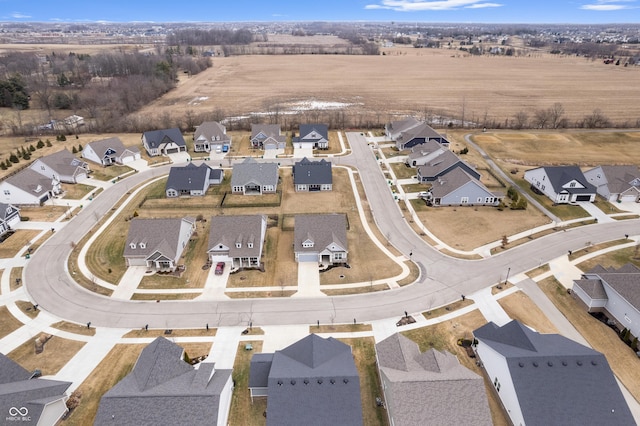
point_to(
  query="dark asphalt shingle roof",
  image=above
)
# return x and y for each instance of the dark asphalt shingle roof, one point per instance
(163, 389)
(155, 138)
(190, 177)
(307, 172)
(557, 381)
(442, 163)
(561, 175)
(306, 129)
(103, 145)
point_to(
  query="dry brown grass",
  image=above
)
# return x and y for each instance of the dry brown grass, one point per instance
(495, 87)
(8, 323)
(443, 310)
(113, 368)
(479, 225)
(622, 359)
(613, 259)
(520, 307)
(243, 411)
(16, 274)
(444, 337)
(57, 352)
(74, 328)
(27, 308)
(44, 213)
(174, 333)
(16, 242)
(340, 328)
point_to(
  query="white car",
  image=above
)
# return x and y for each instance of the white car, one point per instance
(423, 194)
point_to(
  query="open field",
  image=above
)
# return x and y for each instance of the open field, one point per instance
(423, 81)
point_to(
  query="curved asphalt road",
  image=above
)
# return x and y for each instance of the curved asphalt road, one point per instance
(50, 285)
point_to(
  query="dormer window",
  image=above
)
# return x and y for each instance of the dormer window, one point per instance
(238, 245)
(38, 188)
(132, 246)
(143, 245)
(250, 245)
(307, 244)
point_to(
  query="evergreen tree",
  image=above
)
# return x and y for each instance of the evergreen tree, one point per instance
(14, 158)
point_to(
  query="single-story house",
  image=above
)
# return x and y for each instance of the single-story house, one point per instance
(616, 292)
(312, 382)
(157, 243)
(9, 217)
(423, 154)
(192, 180)
(163, 142)
(267, 136)
(459, 188)
(314, 136)
(394, 129)
(429, 388)
(547, 379)
(110, 151)
(616, 183)
(561, 184)
(29, 400)
(251, 177)
(311, 176)
(211, 136)
(28, 187)
(443, 164)
(238, 240)
(321, 238)
(163, 389)
(62, 166)
(419, 135)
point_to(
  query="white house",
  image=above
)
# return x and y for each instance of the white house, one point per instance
(9, 217)
(28, 187)
(163, 142)
(561, 184)
(110, 151)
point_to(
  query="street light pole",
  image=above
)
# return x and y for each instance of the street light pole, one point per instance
(507, 279)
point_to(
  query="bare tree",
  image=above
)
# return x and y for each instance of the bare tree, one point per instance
(521, 120)
(596, 120)
(541, 118)
(555, 113)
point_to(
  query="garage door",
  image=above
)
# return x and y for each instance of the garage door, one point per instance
(583, 197)
(309, 257)
(172, 150)
(629, 198)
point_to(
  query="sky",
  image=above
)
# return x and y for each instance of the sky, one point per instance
(434, 11)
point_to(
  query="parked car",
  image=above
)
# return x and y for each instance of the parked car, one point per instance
(219, 268)
(423, 194)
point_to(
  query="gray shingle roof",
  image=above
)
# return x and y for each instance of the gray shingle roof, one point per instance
(306, 129)
(161, 235)
(307, 172)
(625, 281)
(429, 388)
(252, 172)
(31, 181)
(211, 131)
(322, 229)
(593, 288)
(451, 181)
(423, 130)
(64, 162)
(557, 381)
(442, 163)
(561, 175)
(162, 389)
(423, 149)
(18, 390)
(269, 130)
(619, 178)
(259, 370)
(314, 382)
(395, 128)
(227, 230)
(189, 177)
(155, 138)
(103, 145)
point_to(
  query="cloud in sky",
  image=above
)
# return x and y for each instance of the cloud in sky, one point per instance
(421, 5)
(18, 15)
(608, 5)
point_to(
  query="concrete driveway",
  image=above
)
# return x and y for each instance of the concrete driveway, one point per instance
(308, 280)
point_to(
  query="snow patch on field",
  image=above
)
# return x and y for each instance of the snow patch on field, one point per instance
(197, 100)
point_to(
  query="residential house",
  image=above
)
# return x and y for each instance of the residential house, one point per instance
(252, 178)
(394, 129)
(419, 135)
(192, 180)
(429, 388)
(238, 240)
(157, 243)
(311, 176)
(423, 154)
(615, 292)
(312, 382)
(62, 166)
(27, 399)
(9, 217)
(211, 136)
(616, 183)
(441, 165)
(110, 151)
(28, 187)
(163, 389)
(163, 142)
(312, 136)
(267, 136)
(561, 184)
(547, 379)
(459, 188)
(321, 238)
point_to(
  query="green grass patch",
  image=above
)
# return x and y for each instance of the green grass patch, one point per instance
(402, 171)
(110, 172)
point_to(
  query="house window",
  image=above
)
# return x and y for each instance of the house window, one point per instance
(479, 199)
(488, 200)
(464, 200)
(307, 244)
(238, 245)
(42, 167)
(338, 256)
(572, 185)
(143, 245)
(132, 245)
(7, 192)
(250, 245)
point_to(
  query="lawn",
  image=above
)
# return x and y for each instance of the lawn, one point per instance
(364, 354)
(74, 328)
(110, 172)
(520, 307)
(113, 368)
(244, 411)
(8, 323)
(613, 259)
(46, 213)
(402, 171)
(186, 332)
(478, 225)
(16, 242)
(57, 352)
(76, 191)
(444, 336)
(622, 359)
